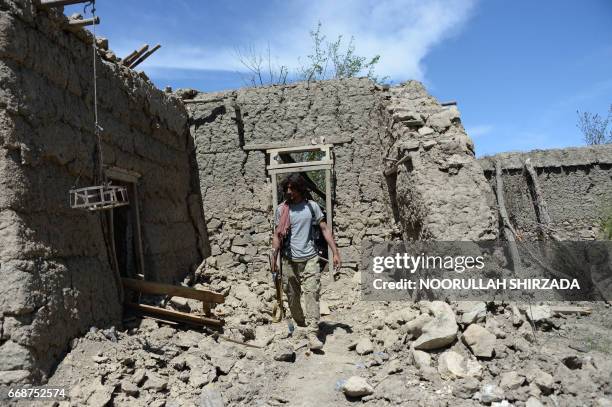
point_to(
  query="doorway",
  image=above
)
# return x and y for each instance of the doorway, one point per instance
(125, 227)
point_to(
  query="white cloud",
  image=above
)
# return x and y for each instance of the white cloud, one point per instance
(401, 32)
(479, 130)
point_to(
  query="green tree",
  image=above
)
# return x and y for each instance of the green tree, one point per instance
(594, 127)
(335, 60)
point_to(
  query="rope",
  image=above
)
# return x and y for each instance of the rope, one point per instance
(99, 174)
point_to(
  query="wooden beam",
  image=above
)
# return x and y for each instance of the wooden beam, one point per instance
(543, 216)
(449, 103)
(568, 309)
(509, 231)
(148, 287)
(145, 56)
(60, 3)
(174, 315)
(299, 169)
(76, 24)
(304, 164)
(292, 143)
(393, 170)
(127, 61)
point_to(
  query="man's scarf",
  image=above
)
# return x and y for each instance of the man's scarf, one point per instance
(284, 223)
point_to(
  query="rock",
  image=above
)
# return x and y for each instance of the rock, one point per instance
(394, 366)
(421, 359)
(538, 313)
(100, 359)
(542, 380)
(180, 304)
(238, 249)
(400, 317)
(188, 339)
(129, 388)
(138, 376)
(155, 382)
(415, 327)
(283, 352)
(511, 380)
(439, 332)
(357, 386)
(424, 131)
(534, 402)
(503, 403)
(211, 397)
(480, 341)
(389, 336)
(490, 393)
(465, 388)
(324, 308)
(545, 382)
(477, 313)
(364, 346)
(451, 365)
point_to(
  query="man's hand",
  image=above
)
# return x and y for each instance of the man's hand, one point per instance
(337, 261)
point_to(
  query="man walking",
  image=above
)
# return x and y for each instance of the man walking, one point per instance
(295, 220)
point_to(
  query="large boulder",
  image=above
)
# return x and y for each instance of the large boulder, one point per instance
(441, 331)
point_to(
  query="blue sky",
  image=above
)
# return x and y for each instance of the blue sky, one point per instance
(519, 70)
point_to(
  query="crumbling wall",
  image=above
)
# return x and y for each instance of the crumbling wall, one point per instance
(235, 189)
(55, 269)
(438, 191)
(441, 191)
(576, 184)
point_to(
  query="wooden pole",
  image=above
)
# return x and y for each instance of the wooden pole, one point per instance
(148, 287)
(544, 219)
(60, 3)
(127, 61)
(509, 231)
(76, 24)
(174, 315)
(145, 56)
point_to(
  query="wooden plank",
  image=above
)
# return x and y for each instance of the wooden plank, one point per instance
(133, 56)
(393, 170)
(76, 24)
(137, 230)
(299, 169)
(123, 175)
(301, 149)
(293, 143)
(568, 309)
(148, 287)
(509, 231)
(544, 219)
(145, 56)
(300, 164)
(60, 3)
(174, 315)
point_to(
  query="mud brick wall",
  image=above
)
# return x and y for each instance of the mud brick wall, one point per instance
(56, 275)
(235, 188)
(443, 190)
(576, 184)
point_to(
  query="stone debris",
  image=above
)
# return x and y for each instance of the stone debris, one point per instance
(511, 380)
(364, 346)
(356, 386)
(480, 341)
(441, 331)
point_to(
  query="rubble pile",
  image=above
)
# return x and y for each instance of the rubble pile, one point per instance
(427, 353)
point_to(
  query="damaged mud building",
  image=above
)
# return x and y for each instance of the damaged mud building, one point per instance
(200, 169)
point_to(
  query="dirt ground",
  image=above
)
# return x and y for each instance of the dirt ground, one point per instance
(565, 361)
